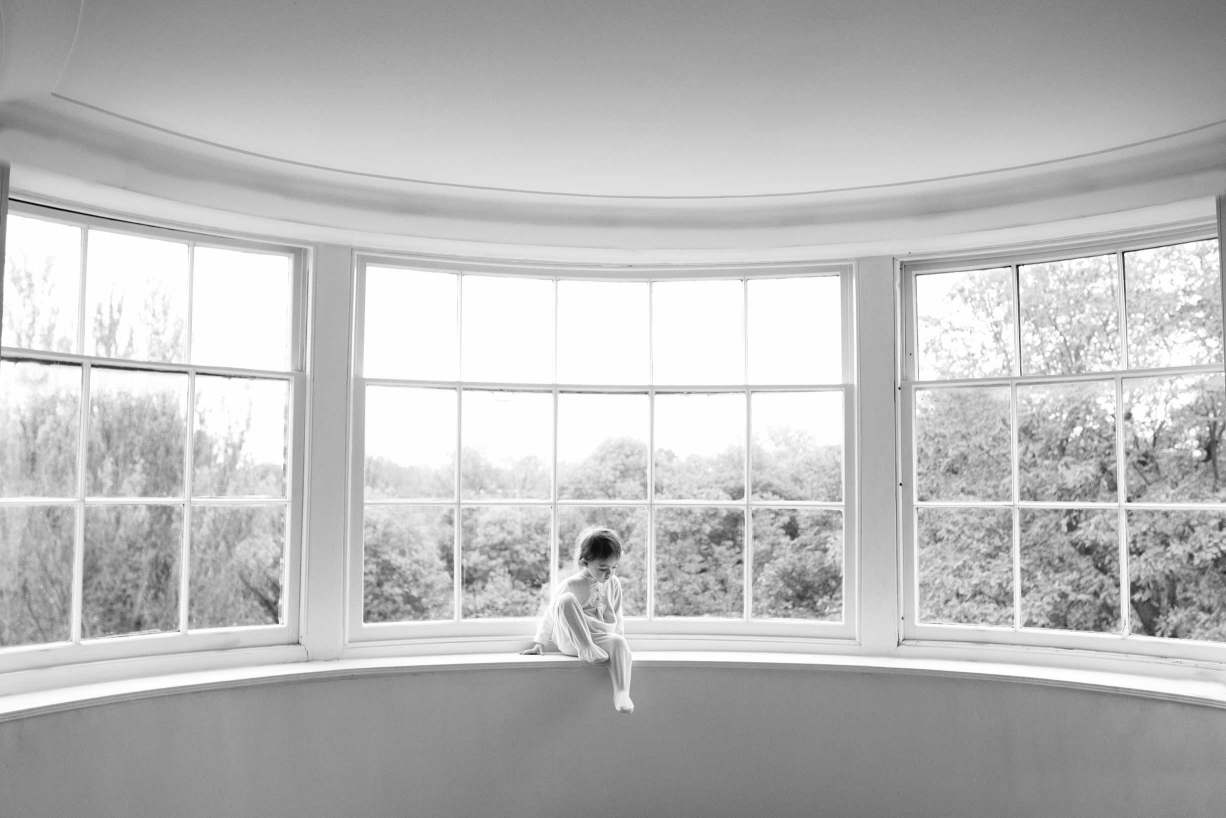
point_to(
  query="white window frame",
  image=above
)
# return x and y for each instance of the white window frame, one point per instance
(947, 635)
(433, 635)
(183, 640)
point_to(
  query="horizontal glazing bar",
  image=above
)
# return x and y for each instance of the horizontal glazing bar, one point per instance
(639, 389)
(592, 503)
(1080, 377)
(16, 354)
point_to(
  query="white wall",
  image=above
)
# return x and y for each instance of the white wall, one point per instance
(540, 741)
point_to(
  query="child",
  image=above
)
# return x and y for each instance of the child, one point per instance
(584, 618)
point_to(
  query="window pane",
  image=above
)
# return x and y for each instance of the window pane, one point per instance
(137, 431)
(408, 563)
(798, 564)
(1070, 569)
(42, 284)
(241, 437)
(36, 573)
(508, 330)
(797, 446)
(238, 559)
(1066, 441)
(965, 324)
(962, 444)
(631, 526)
(1175, 567)
(795, 330)
(700, 555)
(700, 447)
(1174, 305)
(131, 569)
(1070, 316)
(410, 443)
(508, 444)
(965, 566)
(410, 325)
(506, 561)
(40, 429)
(602, 447)
(593, 348)
(135, 297)
(1173, 439)
(240, 309)
(697, 330)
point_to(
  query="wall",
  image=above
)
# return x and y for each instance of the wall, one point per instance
(539, 741)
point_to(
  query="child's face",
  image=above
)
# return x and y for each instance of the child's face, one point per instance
(601, 569)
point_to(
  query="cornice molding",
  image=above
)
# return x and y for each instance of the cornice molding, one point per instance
(62, 151)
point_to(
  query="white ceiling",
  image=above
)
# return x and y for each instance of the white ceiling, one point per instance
(656, 98)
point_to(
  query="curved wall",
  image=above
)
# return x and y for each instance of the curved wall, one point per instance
(705, 741)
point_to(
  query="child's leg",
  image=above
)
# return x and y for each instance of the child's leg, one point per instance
(572, 630)
(619, 668)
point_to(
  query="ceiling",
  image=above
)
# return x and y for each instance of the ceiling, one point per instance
(643, 100)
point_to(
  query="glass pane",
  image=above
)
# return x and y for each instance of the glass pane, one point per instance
(797, 446)
(1175, 568)
(36, 574)
(241, 437)
(1066, 441)
(965, 324)
(42, 283)
(131, 569)
(795, 330)
(962, 444)
(697, 330)
(1174, 305)
(631, 526)
(40, 429)
(602, 447)
(506, 561)
(135, 297)
(240, 309)
(137, 432)
(1070, 569)
(700, 555)
(410, 320)
(700, 447)
(238, 560)
(410, 443)
(408, 563)
(965, 558)
(1070, 316)
(508, 444)
(594, 348)
(798, 564)
(1173, 439)
(508, 330)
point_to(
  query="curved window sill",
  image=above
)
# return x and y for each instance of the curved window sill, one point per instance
(50, 690)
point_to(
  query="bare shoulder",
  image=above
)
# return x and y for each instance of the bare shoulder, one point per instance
(578, 586)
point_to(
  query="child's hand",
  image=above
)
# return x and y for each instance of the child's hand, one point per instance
(535, 650)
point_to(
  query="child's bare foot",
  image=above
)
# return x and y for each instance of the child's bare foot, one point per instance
(623, 704)
(593, 655)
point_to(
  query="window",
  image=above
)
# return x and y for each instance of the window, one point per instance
(149, 385)
(1063, 422)
(498, 413)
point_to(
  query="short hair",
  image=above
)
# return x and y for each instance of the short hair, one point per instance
(597, 543)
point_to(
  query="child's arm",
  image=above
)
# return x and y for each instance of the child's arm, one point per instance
(615, 606)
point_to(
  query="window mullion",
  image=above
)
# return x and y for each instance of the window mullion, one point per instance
(78, 549)
(189, 451)
(1121, 497)
(81, 291)
(457, 555)
(650, 568)
(747, 546)
(1015, 466)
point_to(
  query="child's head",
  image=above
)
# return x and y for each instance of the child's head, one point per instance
(599, 548)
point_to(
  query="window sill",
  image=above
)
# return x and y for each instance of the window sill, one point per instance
(50, 690)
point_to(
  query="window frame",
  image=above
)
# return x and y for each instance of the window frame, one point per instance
(433, 635)
(184, 639)
(944, 636)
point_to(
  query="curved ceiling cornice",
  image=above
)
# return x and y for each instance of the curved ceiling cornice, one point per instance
(801, 124)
